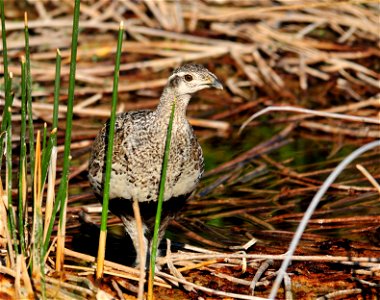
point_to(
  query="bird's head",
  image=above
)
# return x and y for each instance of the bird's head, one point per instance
(190, 78)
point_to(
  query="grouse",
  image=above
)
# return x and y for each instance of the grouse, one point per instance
(138, 150)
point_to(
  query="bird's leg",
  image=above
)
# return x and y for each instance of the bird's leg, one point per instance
(161, 233)
(131, 228)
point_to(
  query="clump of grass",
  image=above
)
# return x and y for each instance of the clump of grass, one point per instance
(42, 161)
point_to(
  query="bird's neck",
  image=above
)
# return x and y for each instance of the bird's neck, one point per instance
(164, 108)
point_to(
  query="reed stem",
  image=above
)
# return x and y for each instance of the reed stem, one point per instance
(22, 189)
(29, 95)
(11, 216)
(103, 226)
(47, 152)
(62, 190)
(6, 78)
(159, 204)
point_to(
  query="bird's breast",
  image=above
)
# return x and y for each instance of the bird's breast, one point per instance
(137, 166)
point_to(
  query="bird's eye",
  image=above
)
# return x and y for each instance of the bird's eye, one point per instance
(188, 77)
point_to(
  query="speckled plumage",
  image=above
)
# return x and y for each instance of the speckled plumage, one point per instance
(138, 152)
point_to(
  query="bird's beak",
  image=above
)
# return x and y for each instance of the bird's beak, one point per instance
(215, 83)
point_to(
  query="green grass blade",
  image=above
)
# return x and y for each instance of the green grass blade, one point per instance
(44, 150)
(57, 86)
(22, 188)
(11, 216)
(6, 77)
(4, 39)
(44, 134)
(103, 226)
(159, 203)
(62, 190)
(111, 131)
(6, 114)
(53, 134)
(29, 96)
